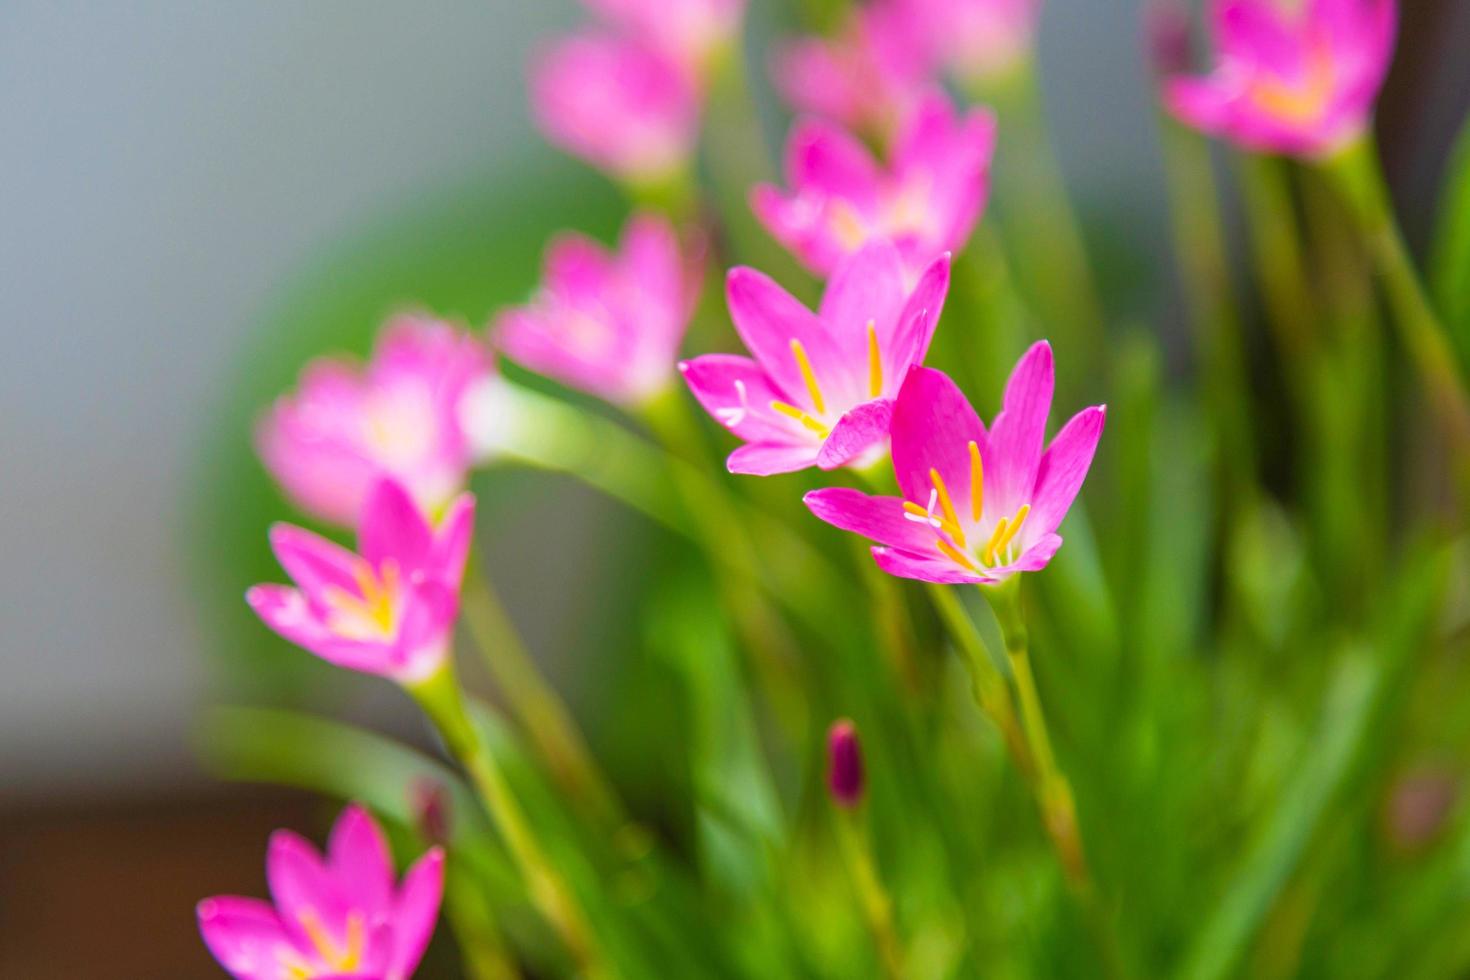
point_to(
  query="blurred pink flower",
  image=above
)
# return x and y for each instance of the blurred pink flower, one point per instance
(975, 39)
(846, 780)
(618, 103)
(1299, 83)
(867, 78)
(388, 610)
(345, 426)
(977, 506)
(820, 388)
(339, 915)
(609, 323)
(926, 202)
(692, 32)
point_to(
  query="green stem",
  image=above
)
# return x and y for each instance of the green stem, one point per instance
(857, 853)
(1356, 173)
(442, 700)
(537, 707)
(991, 692)
(1280, 268)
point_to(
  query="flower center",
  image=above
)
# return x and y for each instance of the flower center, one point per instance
(1300, 100)
(1000, 545)
(345, 958)
(371, 614)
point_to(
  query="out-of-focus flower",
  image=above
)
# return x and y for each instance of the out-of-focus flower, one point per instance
(976, 40)
(1300, 83)
(618, 103)
(820, 388)
(977, 505)
(388, 610)
(1166, 36)
(346, 426)
(926, 202)
(867, 78)
(340, 915)
(609, 323)
(845, 777)
(692, 32)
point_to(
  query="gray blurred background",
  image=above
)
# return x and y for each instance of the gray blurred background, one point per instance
(165, 166)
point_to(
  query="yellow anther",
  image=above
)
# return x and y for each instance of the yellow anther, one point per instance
(954, 554)
(337, 958)
(951, 519)
(792, 412)
(1004, 543)
(807, 375)
(977, 483)
(915, 509)
(1300, 103)
(875, 362)
(987, 554)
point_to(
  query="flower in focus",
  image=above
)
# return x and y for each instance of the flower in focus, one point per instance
(345, 426)
(387, 610)
(926, 202)
(339, 915)
(819, 390)
(618, 103)
(977, 40)
(693, 32)
(868, 78)
(845, 778)
(609, 323)
(1300, 83)
(977, 505)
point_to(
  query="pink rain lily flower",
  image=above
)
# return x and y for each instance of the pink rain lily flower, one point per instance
(693, 32)
(340, 915)
(1300, 83)
(346, 426)
(978, 506)
(819, 390)
(926, 202)
(868, 78)
(609, 323)
(618, 103)
(386, 610)
(976, 39)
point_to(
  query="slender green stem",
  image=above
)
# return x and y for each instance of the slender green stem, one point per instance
(480, 941)
(991, 692)
(535, 704)
(1281, 270)
(857, 852)
(1359, 178)
(442, 700)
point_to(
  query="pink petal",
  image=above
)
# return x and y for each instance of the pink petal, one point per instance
(423, 635)
(244, 934)
(867, 287)
(1019, 431)
(825, 157)
(880, 519)
(452, 540)
(1203, 103)
(288, 612)
(933, 426)
(713, 380)
(304, 887)
(768, 319)
(578, 268)
(768, 459)
(1258, 30)
(1038, 555)
(360, 862)
(1064, 467)
(394, 527)
(417, 911)
(914, 328)
(858, 432)
(940, 570)
(313, 562)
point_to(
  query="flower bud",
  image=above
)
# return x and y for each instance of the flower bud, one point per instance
(845, 776)
(430, 802)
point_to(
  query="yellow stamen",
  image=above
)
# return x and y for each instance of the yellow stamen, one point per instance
(875, 362)
(951, 519)
(792, 412)
(349, 958)
(1004, 543)
(987, 554)
(977, 483)
(915, 509)
(954, 555)
(807, 375)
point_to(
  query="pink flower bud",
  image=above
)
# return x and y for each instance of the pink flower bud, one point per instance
(845, 776)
